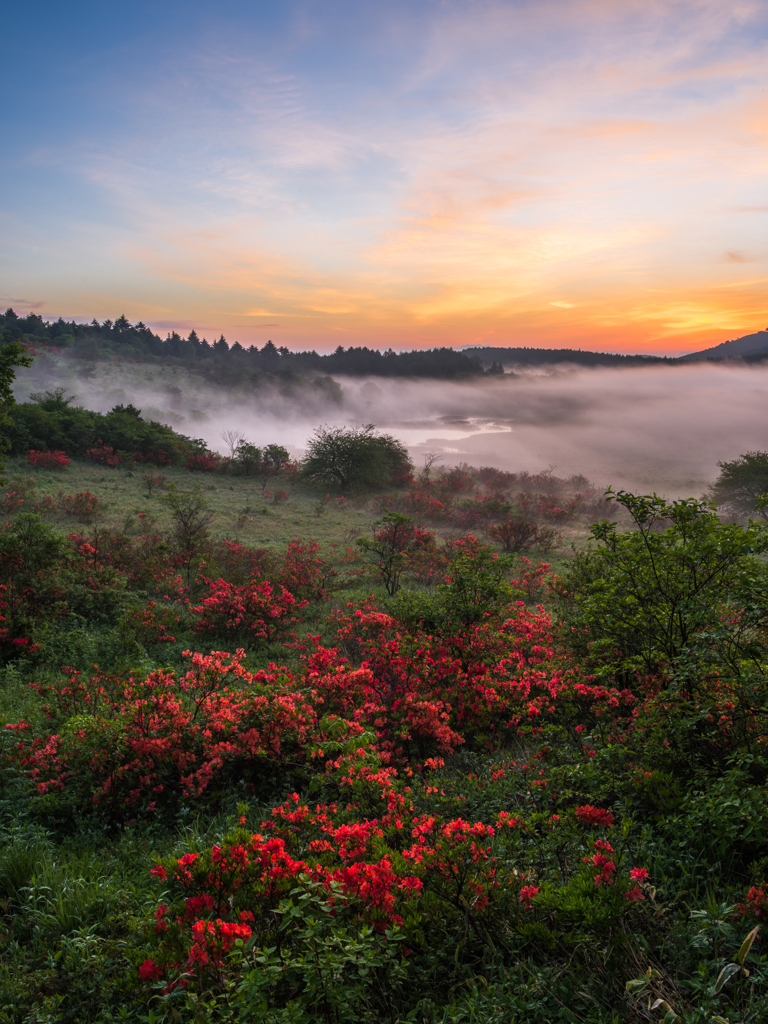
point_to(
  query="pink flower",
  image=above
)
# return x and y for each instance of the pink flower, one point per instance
(638, 874)
(634, 894)
(159, 872)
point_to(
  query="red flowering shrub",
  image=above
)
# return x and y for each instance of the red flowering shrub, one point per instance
(239, 564)
(143, 742)
(456, 480)
(104, 455)
(551, 509)
(158, 457)
(83, 506)
(152, 624)
(11, 501)
(260, 611)
(203, 461)
(46, 504)
(514, 534)
(304, 573)
(48, 460)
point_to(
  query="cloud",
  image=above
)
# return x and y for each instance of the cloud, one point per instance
(425, 173)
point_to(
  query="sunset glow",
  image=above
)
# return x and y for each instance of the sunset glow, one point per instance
(564, 174)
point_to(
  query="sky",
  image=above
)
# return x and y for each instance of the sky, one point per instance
(556, 173)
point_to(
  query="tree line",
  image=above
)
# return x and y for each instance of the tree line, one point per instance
(95, 341)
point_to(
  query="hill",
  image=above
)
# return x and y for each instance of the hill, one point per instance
(525, 356)
(750, 345)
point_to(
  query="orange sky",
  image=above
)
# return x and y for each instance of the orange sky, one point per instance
(571, 174)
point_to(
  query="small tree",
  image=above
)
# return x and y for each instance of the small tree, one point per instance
(248, 457)
(11, 356)
(394, 538)
(191, 519)
(355, 457)
(430, 460)
(741, 485)
(232, 439)
(274, 458)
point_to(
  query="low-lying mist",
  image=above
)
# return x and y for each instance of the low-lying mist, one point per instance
(657, 427)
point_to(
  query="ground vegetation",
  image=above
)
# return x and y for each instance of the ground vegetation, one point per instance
(254, 775)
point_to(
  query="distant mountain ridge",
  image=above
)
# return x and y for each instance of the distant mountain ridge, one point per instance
(752, 347)
(749, 345)
(526, 356)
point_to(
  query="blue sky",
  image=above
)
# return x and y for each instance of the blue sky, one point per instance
(548, 173)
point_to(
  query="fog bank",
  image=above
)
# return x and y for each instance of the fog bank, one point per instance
(645, 428)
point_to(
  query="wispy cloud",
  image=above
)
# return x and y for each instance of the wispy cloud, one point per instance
(433, 173)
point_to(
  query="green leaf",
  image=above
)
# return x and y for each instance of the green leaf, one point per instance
(746, 945)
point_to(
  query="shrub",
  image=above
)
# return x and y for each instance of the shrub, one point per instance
(104, 455)
(742, 485)
(203, 462)
(395, 539)
(514, 534)
(258, 611)
(152, 624)
(154, 482)
(83, 506)
(48, 460)
(356, 457)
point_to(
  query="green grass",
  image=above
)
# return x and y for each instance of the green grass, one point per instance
(241, 509)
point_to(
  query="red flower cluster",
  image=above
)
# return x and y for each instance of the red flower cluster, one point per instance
(595, 816)
(203, 462)
(757, 903)
(82, 505)
(260, 611)
(605, 864)
(48, 460)
(104, 455)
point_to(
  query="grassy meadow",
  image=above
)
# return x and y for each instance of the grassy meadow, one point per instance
(511, 785)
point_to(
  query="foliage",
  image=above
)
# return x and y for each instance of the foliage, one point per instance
(443, 805)
(29, 549)
(52, 422)
(516, 534)
(682, 593)
(12, 354)
(191, 519)
(260, 462)
(48, 460)
(121, 339)
(354, 457)
(257, 611)
(742, 484)
(395, 540)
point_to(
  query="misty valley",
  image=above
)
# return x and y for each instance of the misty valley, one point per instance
(365, 687)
